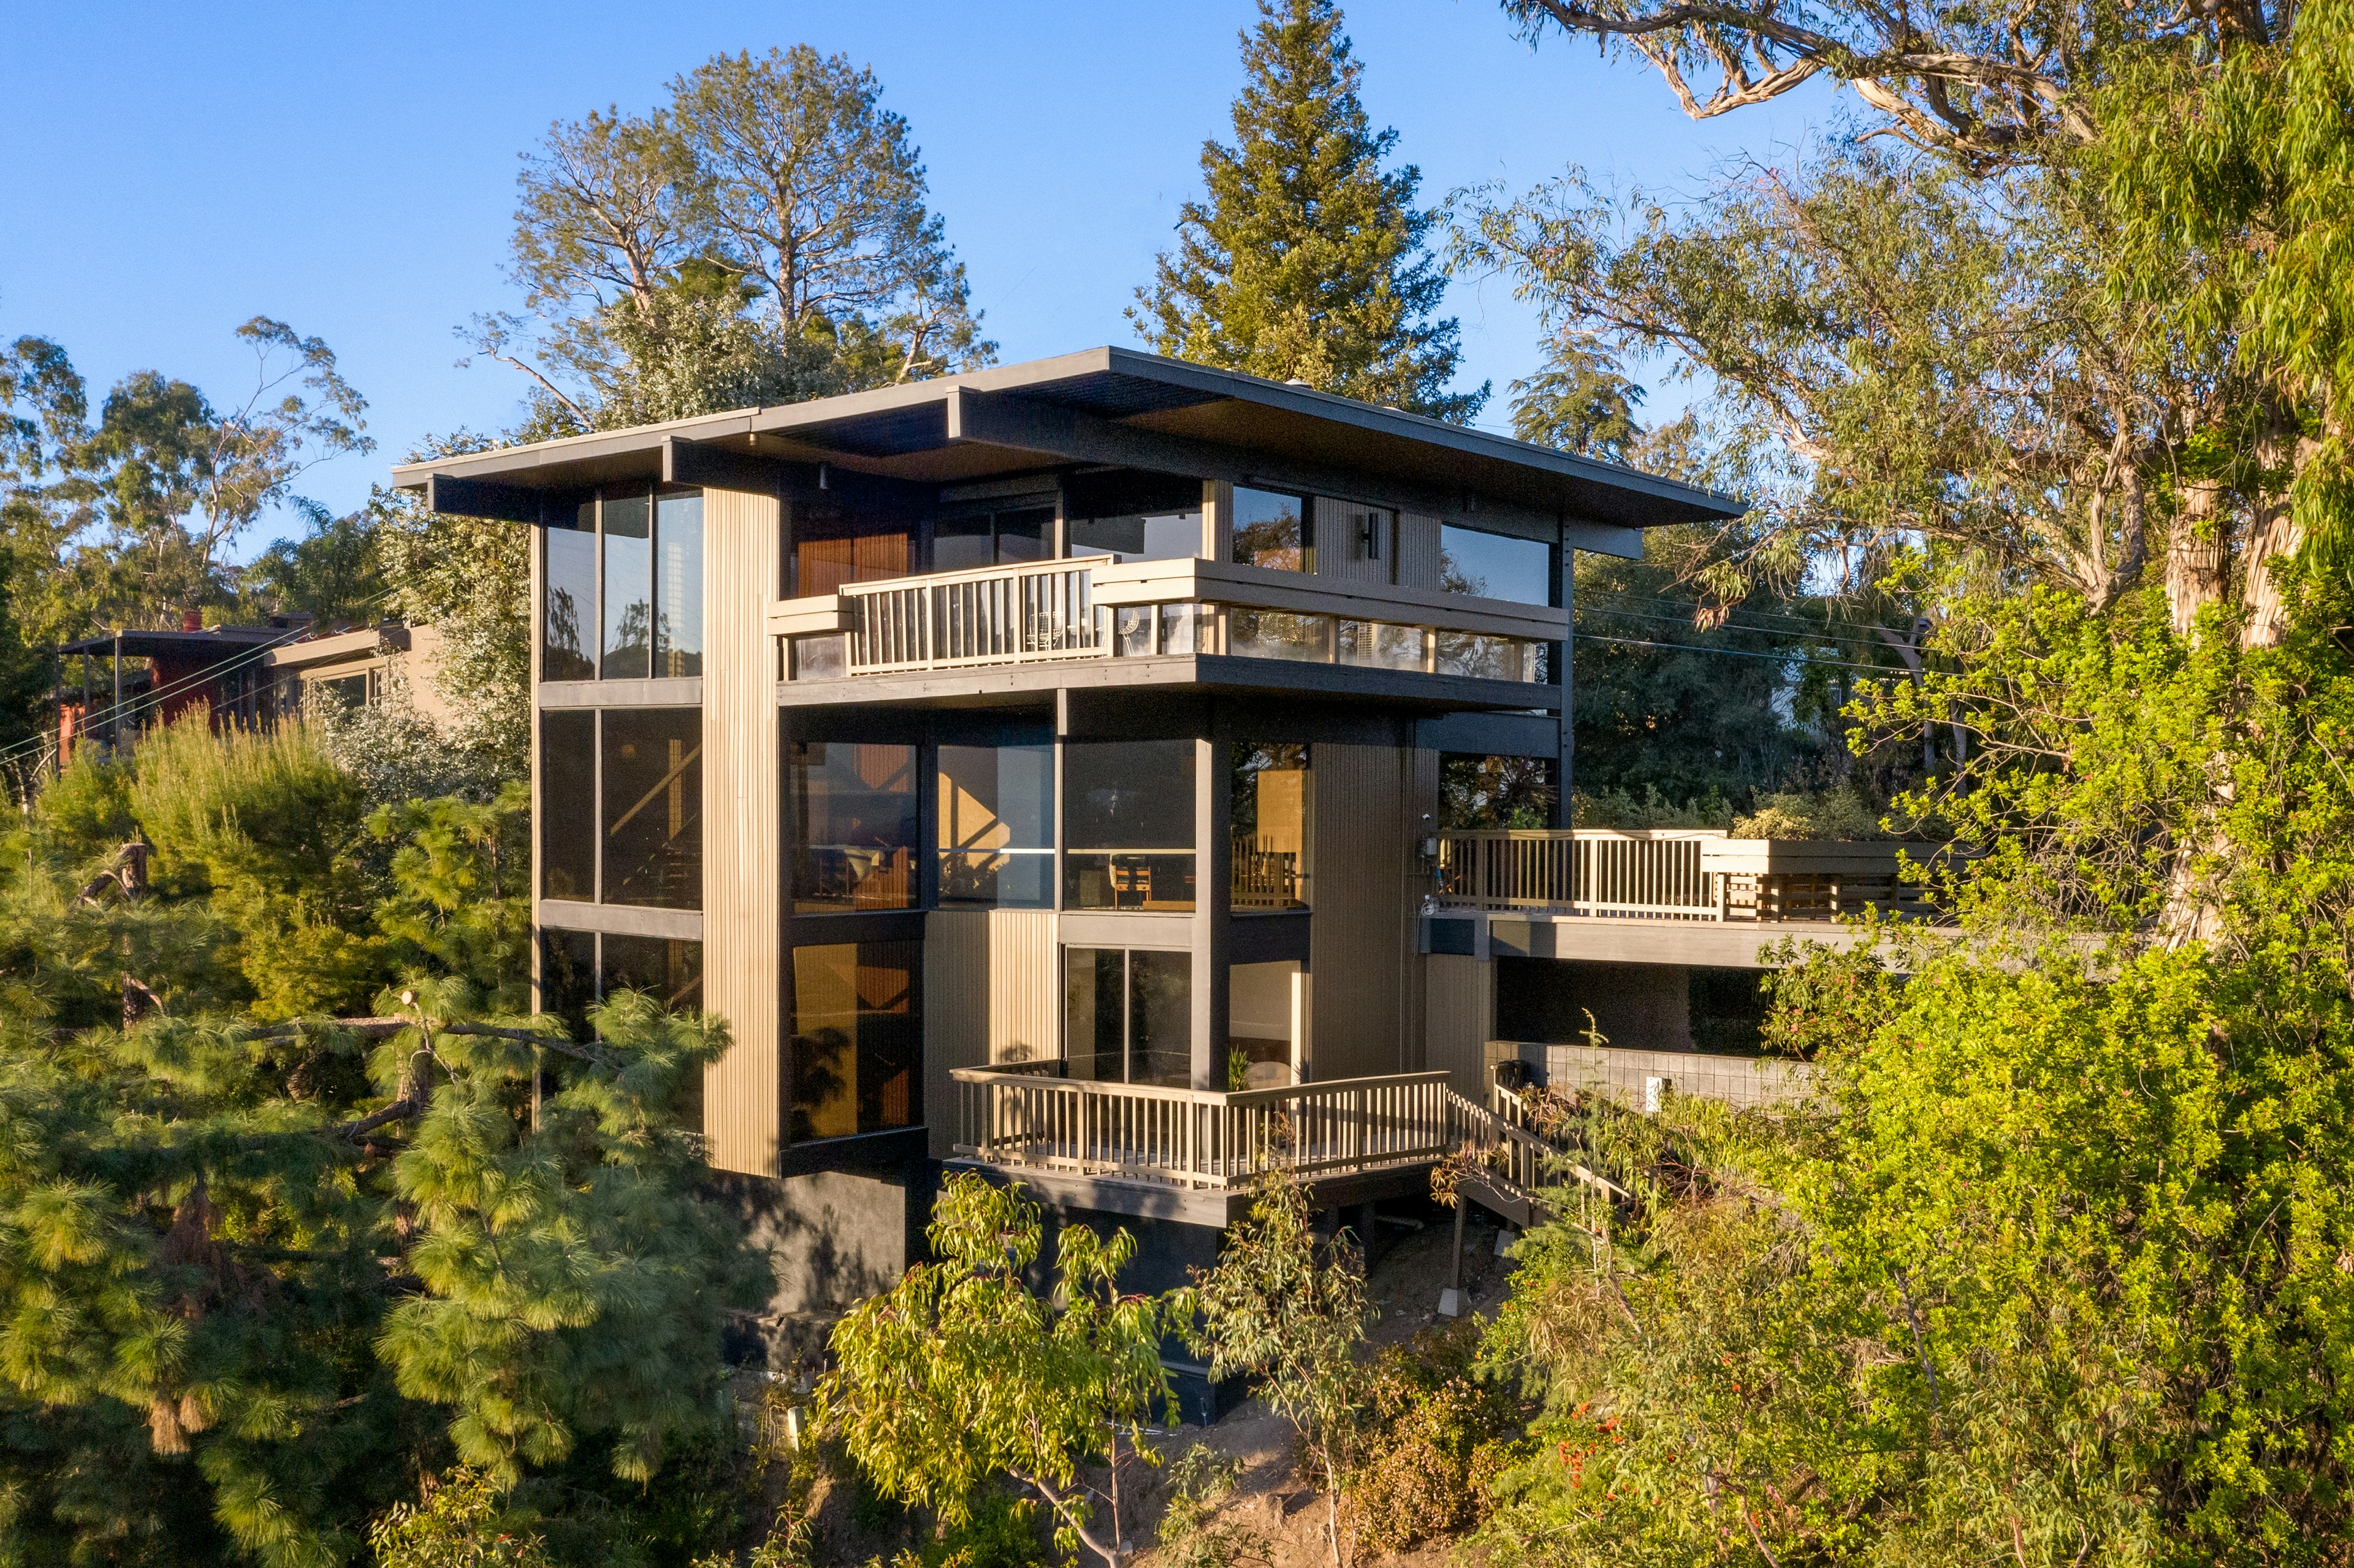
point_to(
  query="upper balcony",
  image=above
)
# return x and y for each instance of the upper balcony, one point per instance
(1182, 621)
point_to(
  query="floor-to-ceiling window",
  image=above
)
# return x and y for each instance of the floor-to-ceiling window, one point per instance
(996, 826)
(855, 821)
(1273, 529)
(1133, 516)
(621, 806)
(857, 1038)
(1129, 1015)
(621, 587)
(1128, 824)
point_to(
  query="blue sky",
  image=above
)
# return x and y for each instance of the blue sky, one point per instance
(170, 171)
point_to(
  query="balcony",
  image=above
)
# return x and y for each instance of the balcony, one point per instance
(1053, 612)
(1670, 875)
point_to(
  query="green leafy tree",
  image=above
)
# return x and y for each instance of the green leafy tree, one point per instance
(962, 1372)
(1580, 402)
(331, 571)
(764, 237)
(1287, 1309)
(1306, 259)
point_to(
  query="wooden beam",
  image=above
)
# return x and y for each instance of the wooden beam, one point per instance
(446, 497)
(714, 467)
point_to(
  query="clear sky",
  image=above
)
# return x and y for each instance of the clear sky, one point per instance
(168, 171)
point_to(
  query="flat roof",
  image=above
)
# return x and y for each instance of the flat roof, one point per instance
(933, 431)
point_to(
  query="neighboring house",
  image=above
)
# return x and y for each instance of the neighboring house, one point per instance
(117, 685)
(1037, 768)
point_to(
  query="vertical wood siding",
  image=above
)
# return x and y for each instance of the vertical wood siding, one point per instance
(1339, 548)
(1358, 928)
(956, 1013)
(1461, 1016)
(743, 1092)
(1025, 990)
(1417, 550)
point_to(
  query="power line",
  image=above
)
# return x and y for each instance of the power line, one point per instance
(1763, 632)
(1736, 652)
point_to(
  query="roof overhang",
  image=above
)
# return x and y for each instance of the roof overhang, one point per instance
(1111, 406)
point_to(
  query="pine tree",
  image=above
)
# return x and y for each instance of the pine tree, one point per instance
(1306, 261)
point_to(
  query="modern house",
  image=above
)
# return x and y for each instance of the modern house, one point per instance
(117, 684)
(1039, 768)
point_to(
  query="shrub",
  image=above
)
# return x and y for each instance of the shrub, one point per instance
(1435, 1437)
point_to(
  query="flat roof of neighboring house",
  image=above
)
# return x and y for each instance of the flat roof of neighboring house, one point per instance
(1098, 405)
(213, 642)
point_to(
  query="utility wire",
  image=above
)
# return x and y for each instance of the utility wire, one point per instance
(1762, 631)
(1736, 652)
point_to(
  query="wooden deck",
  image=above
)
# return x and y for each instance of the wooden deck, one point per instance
(1679, 874)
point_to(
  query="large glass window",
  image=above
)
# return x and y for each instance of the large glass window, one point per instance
(627, 530)
(858, 1052)
(1129, 1015)
(1273, 529)
(1128, 824)
(997, 826)
(1132, 516)
(1494, 566)
(653, 794)
(678, 585)
(984, 538)
(1271, 803)
(835, 544)
(1278, 634)
(567, 978)
(568, 578)
(854, 826)
(568, 804)
(649, 618)
(1262, 1018)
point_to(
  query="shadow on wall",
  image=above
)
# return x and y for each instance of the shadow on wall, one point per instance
(833, 1238)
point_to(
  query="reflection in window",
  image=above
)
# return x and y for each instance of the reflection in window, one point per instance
(983, 538)
(997, 826)
(567, 978)
(1278, 634)
(678, 585)
(568, 804)
(1494, 566)
(1139, 630)
(627, 532)
(1129, 1015)
(1128, 824)
(857, 1038)
(668, 971)
(652, 797)
(1271, 802)
(1379, 646)
(1133, 516)
(1273, 530)
(1486, 658)
(568, 577)
(1262, 1025)
(855, 826)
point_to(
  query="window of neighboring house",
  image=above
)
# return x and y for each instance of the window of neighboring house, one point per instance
(1128, 824)
(1494, 566)
(854, 818)
(646, 619)
(1129, 1015)
(857, 1038)
(621, 806)
(1271, 800)
(996, 826)
(1274, 529)
(1133, 516)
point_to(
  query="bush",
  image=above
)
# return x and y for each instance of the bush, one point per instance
(1435, 1436)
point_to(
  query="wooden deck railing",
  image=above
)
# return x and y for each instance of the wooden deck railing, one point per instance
(1669, 875)
(1199, 1137)
(991, 615)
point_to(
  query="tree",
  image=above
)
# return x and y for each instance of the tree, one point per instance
(260, 1265)
(961, 1371)
(764, 237)
(1580, 402)
(330, 572)
(1282, 1307)
(1306, 259)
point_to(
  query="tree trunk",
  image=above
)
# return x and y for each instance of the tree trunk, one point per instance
(2195, 555)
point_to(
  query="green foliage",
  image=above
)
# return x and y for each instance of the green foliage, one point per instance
(461, 1524)
(961, 1371)
(1431, 1441)
(1290, 1310)
(331, 571)
(1192, 1535)
(1306, 261)
(1580, 402)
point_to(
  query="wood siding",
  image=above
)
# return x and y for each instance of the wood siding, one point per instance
(743, 1093)
(1026, 990)
(1417, 550)
(1340, 544)
(1460, 1011)
(1360, 928)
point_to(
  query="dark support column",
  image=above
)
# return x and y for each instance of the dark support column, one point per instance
(1212, 903)
(1455, 1265)
(1564, 594)
(1365, 1220)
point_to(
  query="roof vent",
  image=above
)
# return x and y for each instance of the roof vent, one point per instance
(1295, 381)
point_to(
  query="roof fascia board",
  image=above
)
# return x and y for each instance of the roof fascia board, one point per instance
(1026, 424)
(1421, 427)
